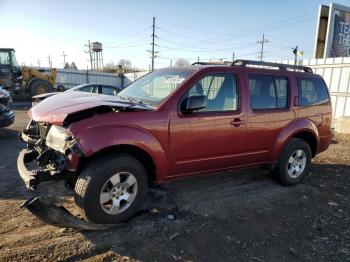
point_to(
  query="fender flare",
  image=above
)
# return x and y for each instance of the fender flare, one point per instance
(295, 127)
(93, 140)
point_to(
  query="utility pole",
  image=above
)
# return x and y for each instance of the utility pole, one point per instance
(64, 58)
(49, 59)
(89, 52)
(153, 43)
(262, 42)
(38, 63)
(295, 52)
(198, 59)
(233, 57)
(171, 63)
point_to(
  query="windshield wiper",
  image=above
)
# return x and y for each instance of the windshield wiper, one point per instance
(135, 100)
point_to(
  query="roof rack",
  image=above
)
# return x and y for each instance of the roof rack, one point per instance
(213, 63)
(270, 64)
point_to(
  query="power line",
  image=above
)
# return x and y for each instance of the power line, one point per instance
(129, 46)
(129, 36)
(243, 31)
(128, 43)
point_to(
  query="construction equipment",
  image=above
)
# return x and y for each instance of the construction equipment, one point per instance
(25, 80)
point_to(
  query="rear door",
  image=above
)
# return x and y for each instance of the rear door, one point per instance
(270, 110)
(214, 137)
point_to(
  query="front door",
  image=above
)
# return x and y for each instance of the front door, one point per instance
(211, 138)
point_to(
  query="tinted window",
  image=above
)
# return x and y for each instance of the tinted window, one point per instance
(89, 89)
(107, 90)
(220, 91)
(268, 92)
(312, 92)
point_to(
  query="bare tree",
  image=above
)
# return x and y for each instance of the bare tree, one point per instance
(110, 67)
(126, 64)
(181, 62)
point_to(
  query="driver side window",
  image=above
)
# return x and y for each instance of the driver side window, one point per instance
(220, 91)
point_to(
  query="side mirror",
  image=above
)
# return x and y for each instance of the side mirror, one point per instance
(193, 103)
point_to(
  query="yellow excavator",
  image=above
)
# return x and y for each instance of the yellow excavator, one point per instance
(23, 81)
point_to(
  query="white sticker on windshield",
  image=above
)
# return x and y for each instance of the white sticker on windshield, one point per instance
(174, 80)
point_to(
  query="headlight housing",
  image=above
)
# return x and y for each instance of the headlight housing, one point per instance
(58, 138)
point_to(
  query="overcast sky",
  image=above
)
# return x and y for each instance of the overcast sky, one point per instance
(185, 29)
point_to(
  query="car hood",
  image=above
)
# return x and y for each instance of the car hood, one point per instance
(72, 105)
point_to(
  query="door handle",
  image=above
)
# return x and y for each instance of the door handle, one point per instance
(237, 122)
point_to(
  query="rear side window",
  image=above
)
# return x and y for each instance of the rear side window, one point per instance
(312, 92)
(268, 92)
(107, 90)
(89, 89)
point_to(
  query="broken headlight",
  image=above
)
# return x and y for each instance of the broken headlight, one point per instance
(58, 138)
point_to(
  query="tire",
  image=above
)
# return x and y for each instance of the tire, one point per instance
(296, 154)
(39, 86)
(96, 182)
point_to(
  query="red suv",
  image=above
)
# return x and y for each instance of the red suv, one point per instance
(174, 123)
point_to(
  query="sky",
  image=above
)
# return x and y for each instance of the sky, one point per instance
(210, 30)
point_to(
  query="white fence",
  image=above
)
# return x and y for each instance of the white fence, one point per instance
(69, 78)
(131, 77)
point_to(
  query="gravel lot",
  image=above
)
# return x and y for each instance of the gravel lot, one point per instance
(233, 216)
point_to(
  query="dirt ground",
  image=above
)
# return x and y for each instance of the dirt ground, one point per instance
(232, 216)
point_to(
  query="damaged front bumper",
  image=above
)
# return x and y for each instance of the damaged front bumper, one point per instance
(29, 177)
(32, 177)
(38, 162)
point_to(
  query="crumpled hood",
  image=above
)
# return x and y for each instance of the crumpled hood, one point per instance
(57, 108)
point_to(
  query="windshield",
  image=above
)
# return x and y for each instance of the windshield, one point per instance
(5, 58)
(8, 58)
(156, 86)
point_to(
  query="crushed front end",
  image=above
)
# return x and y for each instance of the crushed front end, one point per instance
(51, 154)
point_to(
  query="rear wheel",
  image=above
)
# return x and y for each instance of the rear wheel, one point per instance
(111, 189)
(40, 86)
(294, 163)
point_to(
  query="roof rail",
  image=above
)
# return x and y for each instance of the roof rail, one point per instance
(226, 63)
(200, 63)
(270, 64)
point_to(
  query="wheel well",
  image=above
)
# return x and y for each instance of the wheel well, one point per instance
(310, 139)
(134, 151)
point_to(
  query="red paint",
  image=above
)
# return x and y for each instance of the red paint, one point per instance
(185, 145)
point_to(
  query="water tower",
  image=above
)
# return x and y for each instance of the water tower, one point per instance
(97, 57)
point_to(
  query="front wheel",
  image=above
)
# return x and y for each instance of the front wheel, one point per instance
(294, 163)
(111, 189)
